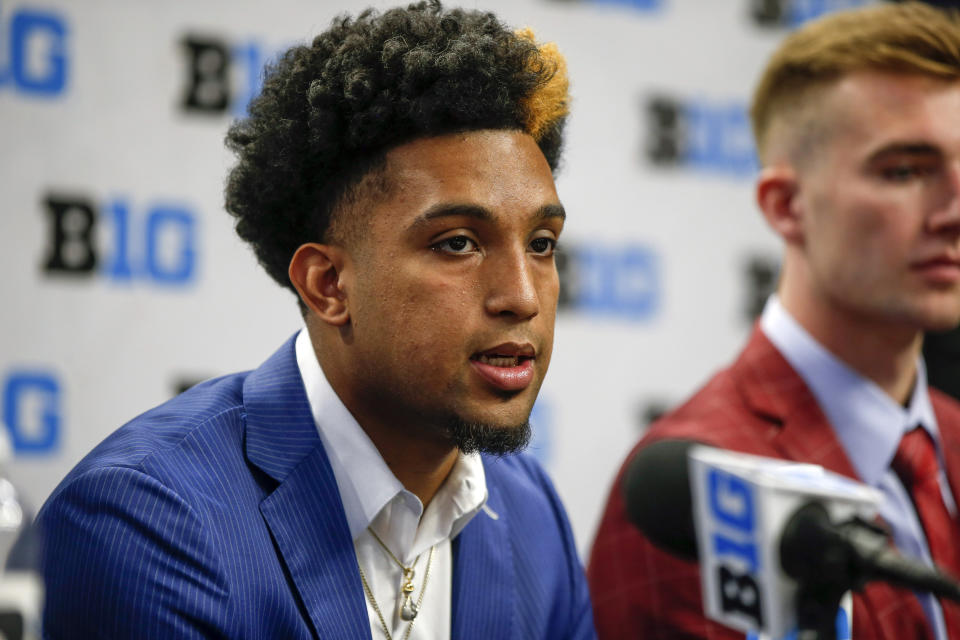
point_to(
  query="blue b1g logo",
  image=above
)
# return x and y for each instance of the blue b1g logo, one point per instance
(32, 410)
(733, 537)
(793, 13)
(639, 5)
(33, 52)
(708, 136)
(221, 75)
(156, 244)
(622, 282)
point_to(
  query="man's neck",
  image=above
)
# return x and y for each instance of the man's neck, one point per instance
(884, 352)
(420, 458)
(421, 465)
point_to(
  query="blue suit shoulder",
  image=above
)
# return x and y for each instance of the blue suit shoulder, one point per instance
(162, 430)
(129, 526)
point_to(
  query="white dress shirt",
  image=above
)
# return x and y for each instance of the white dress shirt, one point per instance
(373, 498)
(869, 425)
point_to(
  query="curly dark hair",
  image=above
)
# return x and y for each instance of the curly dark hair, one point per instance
(329, 113)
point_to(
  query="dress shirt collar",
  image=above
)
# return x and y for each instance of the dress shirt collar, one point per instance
(868, 422)
(368, 488)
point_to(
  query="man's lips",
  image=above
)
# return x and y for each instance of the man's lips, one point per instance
(941, 268)
(508, 366)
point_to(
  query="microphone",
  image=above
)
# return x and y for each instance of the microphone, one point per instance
(656, 489)
(777, 541)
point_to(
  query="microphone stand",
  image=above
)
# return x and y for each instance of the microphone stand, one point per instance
(828, 560)
(817, 612)
(820, 563)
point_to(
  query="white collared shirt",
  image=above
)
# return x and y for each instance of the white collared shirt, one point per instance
(869, 425)
(373, 497)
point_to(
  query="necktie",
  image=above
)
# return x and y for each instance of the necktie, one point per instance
(916, 464)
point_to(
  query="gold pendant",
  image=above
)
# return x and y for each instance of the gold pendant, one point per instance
(409, 610)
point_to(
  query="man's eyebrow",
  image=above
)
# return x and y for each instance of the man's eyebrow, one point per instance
(552, 211)
(446, 210)
(905, 148)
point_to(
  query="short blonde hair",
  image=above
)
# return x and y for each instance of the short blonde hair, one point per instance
(907, 38)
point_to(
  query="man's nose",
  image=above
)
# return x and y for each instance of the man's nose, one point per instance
(946, 214)
(511, 286)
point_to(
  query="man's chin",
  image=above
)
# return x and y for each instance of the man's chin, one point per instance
(938, 320)
(941, 326)
(478, 437)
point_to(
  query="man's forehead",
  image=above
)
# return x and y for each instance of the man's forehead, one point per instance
(907, 109)
(493, 170)
(860, 105)
(884, 83)
(483, 151)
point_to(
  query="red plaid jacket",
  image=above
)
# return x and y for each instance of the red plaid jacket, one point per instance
(761, 406)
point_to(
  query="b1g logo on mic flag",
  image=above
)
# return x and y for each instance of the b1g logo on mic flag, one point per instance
(742, 504)
(733, 541)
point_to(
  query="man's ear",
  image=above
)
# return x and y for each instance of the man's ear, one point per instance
(316, 270)
(777, 197)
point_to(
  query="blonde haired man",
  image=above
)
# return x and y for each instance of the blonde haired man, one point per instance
(857, 122)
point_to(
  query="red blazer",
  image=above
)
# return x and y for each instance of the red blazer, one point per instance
(761, 406)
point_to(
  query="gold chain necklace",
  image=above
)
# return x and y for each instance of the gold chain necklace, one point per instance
(409, 610)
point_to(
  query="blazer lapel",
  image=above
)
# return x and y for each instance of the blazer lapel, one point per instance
(948, 415)
(776, 393)
(484, 585)
(304, 513)
(306, 519)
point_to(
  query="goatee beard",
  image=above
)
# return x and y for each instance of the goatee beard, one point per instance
(477, 437)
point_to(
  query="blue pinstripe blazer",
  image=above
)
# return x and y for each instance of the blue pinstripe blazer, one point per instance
(216, 515)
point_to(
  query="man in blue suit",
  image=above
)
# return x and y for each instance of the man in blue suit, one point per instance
(363, 482)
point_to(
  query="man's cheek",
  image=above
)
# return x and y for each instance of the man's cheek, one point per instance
(427, 342)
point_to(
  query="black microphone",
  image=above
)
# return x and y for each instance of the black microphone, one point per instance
(656, 489)
(814, 551)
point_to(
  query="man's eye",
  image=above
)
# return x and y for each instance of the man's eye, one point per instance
(456, 244)
(905, 172)
(899, 172)
(544, 246)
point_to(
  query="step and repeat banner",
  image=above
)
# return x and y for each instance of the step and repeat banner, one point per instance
(125, 284)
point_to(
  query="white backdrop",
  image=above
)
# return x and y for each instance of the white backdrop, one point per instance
(149, 289)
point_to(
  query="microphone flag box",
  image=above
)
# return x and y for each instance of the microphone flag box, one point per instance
(741, 504)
